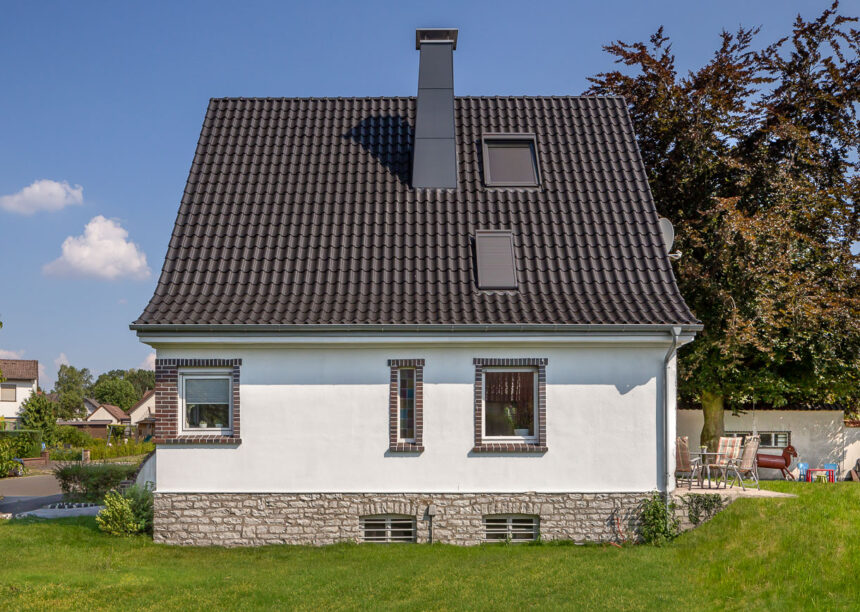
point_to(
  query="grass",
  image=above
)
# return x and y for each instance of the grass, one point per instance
(801, 553)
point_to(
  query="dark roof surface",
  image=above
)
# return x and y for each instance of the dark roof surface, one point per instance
(300, 211)
(115, 411)
(19, 369)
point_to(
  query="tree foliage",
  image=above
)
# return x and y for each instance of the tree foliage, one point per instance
(40, 413)
(71, 387)
(754, 158)
(141, 380)
(116, 391)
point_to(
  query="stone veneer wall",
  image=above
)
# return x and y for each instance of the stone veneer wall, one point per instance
(252, 519)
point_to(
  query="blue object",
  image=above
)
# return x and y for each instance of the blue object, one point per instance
(801, 469)
(834, 467)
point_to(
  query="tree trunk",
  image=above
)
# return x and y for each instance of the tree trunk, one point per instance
(712, 409)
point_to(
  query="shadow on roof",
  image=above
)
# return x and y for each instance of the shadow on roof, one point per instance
(388, 138)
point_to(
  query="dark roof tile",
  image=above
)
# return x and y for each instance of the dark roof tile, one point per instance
(299, 211)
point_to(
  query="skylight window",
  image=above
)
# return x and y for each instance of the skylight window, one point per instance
(495, 252)
(510, 160)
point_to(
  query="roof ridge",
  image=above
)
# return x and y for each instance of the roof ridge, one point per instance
(465, 97)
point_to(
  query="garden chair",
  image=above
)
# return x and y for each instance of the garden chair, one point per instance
(835, 468)
(747, 465)
(727, 450)
(685, 467)
(801, 470)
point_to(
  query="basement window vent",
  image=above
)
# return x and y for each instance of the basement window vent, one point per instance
(510, 160)
(388, 528)
(511, 528)
(495, 253)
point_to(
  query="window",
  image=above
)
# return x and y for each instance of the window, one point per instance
(495, 254)
(510, 160)
(405, 406)
(769, 439)
(8, 392)
(207, 402)
(388, 528)
(406, 401)
(511, 528)
(509, 403)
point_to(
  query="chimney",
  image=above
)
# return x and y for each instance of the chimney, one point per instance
(434, 154)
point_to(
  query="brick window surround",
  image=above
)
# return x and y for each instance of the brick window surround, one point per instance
(484, 446)
(167, 430)
(394, 446)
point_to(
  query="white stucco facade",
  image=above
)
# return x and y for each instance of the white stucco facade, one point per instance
(23, 390)
(314, 418)
(819, 436)
(143, 410)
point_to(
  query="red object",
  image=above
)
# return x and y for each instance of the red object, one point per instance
(831, 477)
(778, 462)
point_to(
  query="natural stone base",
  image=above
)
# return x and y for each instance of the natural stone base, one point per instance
(252, 519)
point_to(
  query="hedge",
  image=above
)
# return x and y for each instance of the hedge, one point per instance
(100, 450)
(89, 482)
(26, 442)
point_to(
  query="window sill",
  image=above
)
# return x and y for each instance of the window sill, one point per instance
(508, 447)
(406, 447)
(200, 439)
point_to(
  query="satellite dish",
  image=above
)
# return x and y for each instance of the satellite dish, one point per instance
(668, 233)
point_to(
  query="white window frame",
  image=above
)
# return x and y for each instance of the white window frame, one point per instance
(210, 374)
(388, 519)
(14, 388)
(414, 404)
(743, 434)
(535, 411)
(509, 530)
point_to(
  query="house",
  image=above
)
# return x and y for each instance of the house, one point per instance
(20, 380)
(113, 415)
(819, 434)
(142, 415)
(440, 318)
(91, 405)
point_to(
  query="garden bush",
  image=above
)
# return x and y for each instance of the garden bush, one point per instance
(7, 457)
(91, 481)
(658, 523)
(68, 434)
(99, 450)
(127, 513)
(25, 442)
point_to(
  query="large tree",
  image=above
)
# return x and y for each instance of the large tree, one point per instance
(753, 157)
(115, 391)
(141, 380)
(71, 387)
(40, 413)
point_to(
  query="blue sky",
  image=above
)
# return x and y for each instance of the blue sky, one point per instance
(102, 103)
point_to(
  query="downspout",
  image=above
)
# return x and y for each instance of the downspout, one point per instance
(676, 332)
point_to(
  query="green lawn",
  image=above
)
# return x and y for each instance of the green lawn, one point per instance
(787, 554)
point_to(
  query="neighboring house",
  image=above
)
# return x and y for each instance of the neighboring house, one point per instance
(21, 380)
(114, 415)
(90, 405)
(401, 319)
(142, 415)
(818, 435)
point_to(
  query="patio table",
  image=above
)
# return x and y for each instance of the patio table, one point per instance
(831, 476)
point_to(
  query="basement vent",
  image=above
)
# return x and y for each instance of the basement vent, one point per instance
(388, 528)
(511, 527)
(495, 253)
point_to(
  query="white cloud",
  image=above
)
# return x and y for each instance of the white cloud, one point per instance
(43, 194)
(43, 377)
(103, 251)
(61, 360)
(122, 301)
(7, 354)
(148, 363)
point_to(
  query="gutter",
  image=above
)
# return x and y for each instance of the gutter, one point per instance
(675, 331)
(339, 329)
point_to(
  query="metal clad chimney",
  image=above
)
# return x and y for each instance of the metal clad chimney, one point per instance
(434, 156)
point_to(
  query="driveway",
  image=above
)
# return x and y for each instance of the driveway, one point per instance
(28, 493)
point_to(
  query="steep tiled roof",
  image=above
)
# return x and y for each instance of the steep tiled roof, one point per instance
(145, 398)
(300, 211)
(19, 369)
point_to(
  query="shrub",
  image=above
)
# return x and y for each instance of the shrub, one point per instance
(127, 513)
(90, 482)
(702, 506)
(120, 448)
(66, 454)
(67, 434)
(38, 412)
(7, 457)
(658, 523)
(25, 442)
